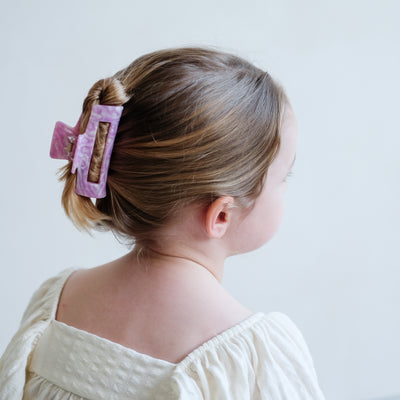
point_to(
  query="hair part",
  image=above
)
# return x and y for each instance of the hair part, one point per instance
(197, 124)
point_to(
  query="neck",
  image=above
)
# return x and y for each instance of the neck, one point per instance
(176, 256)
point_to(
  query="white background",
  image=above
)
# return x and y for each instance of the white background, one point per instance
(334, 266)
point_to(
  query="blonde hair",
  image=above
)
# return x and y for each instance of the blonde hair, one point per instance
(197, 124)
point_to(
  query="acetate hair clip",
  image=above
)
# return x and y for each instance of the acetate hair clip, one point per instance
(68, 144)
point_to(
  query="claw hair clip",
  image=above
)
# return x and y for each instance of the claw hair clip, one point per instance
(68, 144)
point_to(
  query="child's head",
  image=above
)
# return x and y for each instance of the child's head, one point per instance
(196, 125)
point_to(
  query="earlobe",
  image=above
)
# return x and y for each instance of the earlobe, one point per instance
(218, 217)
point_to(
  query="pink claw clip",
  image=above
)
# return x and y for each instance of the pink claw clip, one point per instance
(67, 144)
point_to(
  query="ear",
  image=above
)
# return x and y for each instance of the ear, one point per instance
(218, 216)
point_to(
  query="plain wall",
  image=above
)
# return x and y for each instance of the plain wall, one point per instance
(334, 266)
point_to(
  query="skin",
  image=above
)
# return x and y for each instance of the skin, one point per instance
(157, 306)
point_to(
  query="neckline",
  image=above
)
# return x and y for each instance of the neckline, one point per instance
(195, 353)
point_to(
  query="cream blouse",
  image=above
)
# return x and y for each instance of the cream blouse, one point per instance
(263, 357)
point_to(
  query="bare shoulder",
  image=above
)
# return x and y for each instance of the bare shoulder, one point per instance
(159, 317)
(79, 295)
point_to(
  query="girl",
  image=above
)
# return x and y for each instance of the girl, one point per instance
(186, 152)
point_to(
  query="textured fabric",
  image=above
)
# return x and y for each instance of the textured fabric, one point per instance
(263, 357)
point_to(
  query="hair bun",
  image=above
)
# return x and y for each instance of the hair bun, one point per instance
(108, 91)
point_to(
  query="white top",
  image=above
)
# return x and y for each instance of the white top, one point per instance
(263, 357)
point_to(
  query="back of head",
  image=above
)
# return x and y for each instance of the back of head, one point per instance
(197, 124)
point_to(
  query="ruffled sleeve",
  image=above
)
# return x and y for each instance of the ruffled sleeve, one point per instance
(40, 311)
(264, 358)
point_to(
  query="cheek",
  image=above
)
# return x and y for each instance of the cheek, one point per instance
(264, 220)
(272, 212)
(271, 220)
